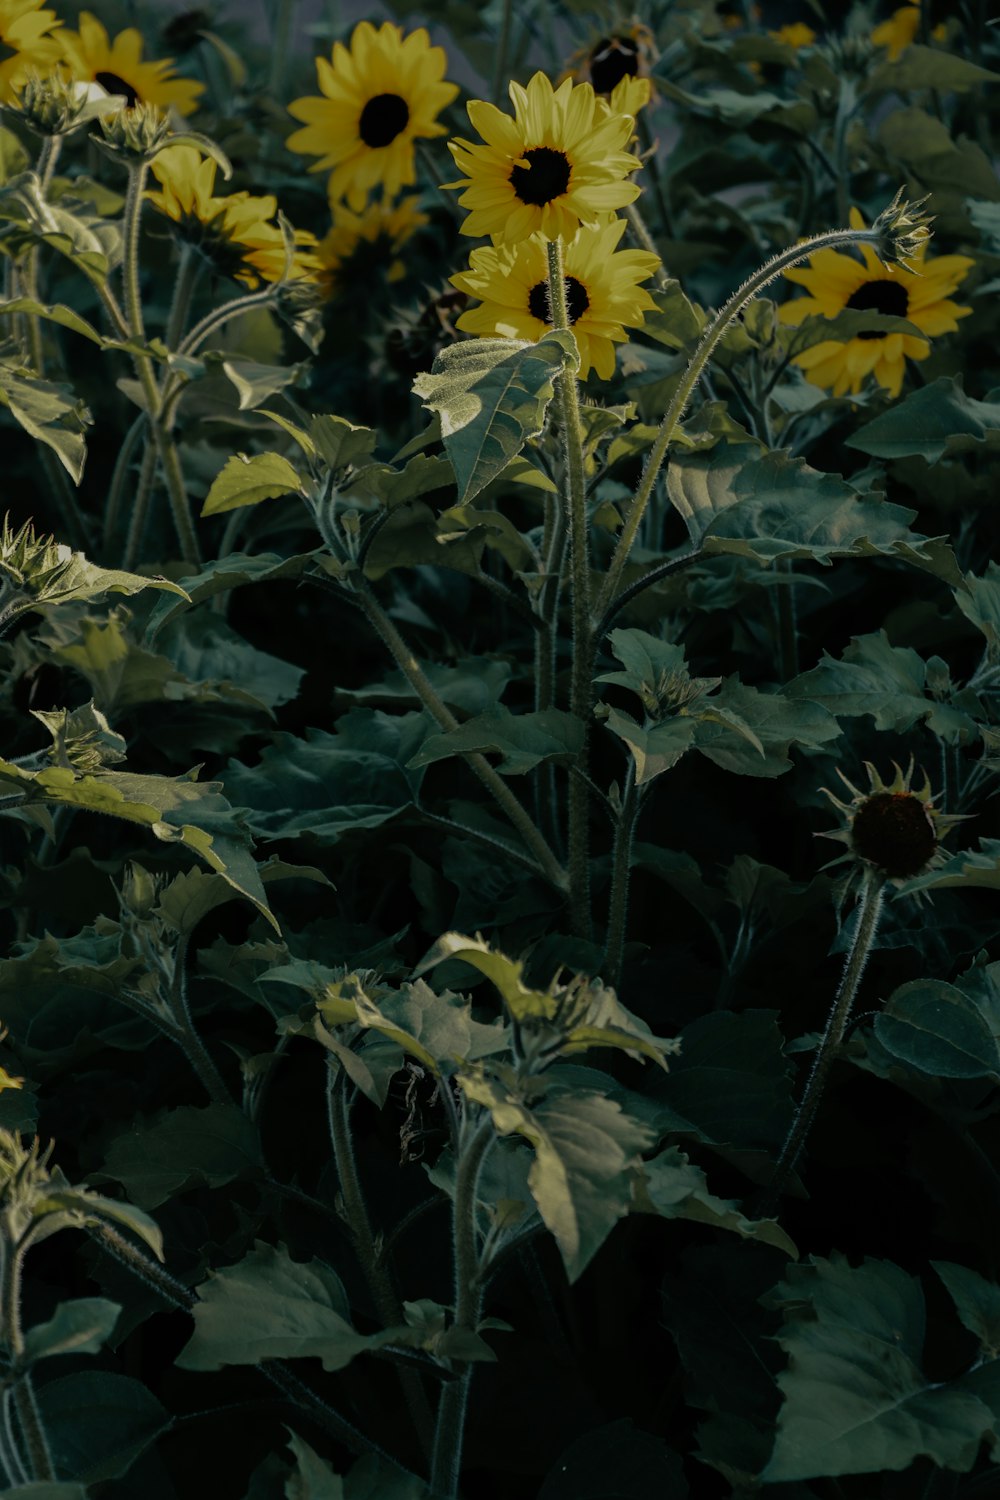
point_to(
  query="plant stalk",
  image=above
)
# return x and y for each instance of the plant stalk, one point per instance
(621, 860)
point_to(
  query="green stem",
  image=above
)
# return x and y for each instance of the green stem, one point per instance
(119, 479)
(869, 911)
(714, 331)
(193, 341)
(166, 449)
(621, 860)
(787, 616)
(140, 502)
(446, 1463)
(580, 681)
(194, 1048)
(494, 783)
(651, 166)
(180, 305)
(25, 1405)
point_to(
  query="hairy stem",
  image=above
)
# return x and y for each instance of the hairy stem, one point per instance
(621, 860)
(26, 1407)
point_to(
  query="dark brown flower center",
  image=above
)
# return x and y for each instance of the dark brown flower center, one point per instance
(894, 831)
(382, 119)
(544, 178)
(889, 297)
(577, 300)
(115, 85)
(612, 59)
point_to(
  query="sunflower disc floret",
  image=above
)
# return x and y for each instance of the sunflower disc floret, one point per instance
(379, 96)
(119, 68)
(892, 828)
(559, 163)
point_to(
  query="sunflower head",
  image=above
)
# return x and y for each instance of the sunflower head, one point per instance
(617, 66)
(29, 39)
(919, 292)
(891, 828)
(118, 67)
(360, 246)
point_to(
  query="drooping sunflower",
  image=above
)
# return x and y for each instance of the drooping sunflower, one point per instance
(368, 241)
(118, 67)
(234, 232)
(559, 163)
(836, 281)
(27, 43)
(891, 827)
(379, 95)
(603, 295)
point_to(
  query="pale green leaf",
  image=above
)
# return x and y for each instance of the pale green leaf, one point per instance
(78, 1327)
(248, 481)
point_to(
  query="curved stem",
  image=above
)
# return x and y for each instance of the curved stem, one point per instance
(580, 682)
(714, 331)
(655, 575)
(494, 783)
(220, 315)
(869, 911)
(446, 1463)
(25, 1405)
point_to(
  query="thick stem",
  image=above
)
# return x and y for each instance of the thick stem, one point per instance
(714, 331)
(184, 285)
(580, 682)
(447, 1460)
(28, 1416)
(494, 783)
(194, 1048)
(869, 911)
(621, 861)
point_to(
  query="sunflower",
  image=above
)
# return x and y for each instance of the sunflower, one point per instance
(380, 95)
(557, 164)
(235, 232)
(891, 827)
(27, 43)
(796, 34)
(836, 281)
(603, 295)
(617, 68)
(900, 31)
(366, 241)
(118, 67)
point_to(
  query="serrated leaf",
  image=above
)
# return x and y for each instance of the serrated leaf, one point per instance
(856, 1398)
(671, 1186)
(57, 313)
(492, 396)
(523, 741)
(339, 442)
(977, 1302)
(586, 1149)
(655, 748)
(271, 1307)
(764, 726)
(935, 1028)
(183, 1148)
(248, 481)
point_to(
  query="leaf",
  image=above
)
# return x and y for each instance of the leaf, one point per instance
(979, 601)
(856, 1398)
(225, 573)
(935, 1028)
(78, 1327)
(48, 412)
(523, 741)
(935, 420)
(849, 323)
(764, 727)
(586, 1149)
(45, 1490)
(473, 685)
(340, 443)
(616, 1462)
(183, 1148)
(655, 748)
(736, 500)
(977, 1303)
(248, 481)
(312, 1477)
(972, 867)
(436, 1029)
(889, 682)
(672, 1187)
(492, 395)
(191, 895)
(271, 1307)
(58, 313)
(98, 1423)
(928, 68)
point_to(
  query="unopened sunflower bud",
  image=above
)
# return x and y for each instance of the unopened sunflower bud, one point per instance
(55, 105)
(902, 229)
(137, 132)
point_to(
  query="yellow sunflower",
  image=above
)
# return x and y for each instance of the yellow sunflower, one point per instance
(836, 281)
(370, 240)
(558, 164)
(617, 68)
(603, 295)
(379, 96)
(27, 43)
(118, 67)
(796, 34)
(235, 232)
(901, 29)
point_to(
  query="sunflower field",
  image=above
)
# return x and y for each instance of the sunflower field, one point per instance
(500, 627)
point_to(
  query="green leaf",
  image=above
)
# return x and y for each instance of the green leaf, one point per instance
(856, 1398)
(972, 867)
(979, 601)
(936, 68)
(48, 412)
(936, 420)
(736, 500)
(761, 730)
(492, 395)
(436, 1029)
(677, 322)
(191, 895)
(473, 685)
(889, 682)
(339, 442)
(248, 481)
(523, 741)
(78, 1327)
(45, 1490)
(935, 1028)
(655, 748)
(586, 1150)
(97, 1424)
(59, 313)
(183, 1148)
(312, 1477)
(225, 573)
(271, 1307)
(672, 1187)
(616, 1462)
(849, 323)
(977, 1303)
(43, 573)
